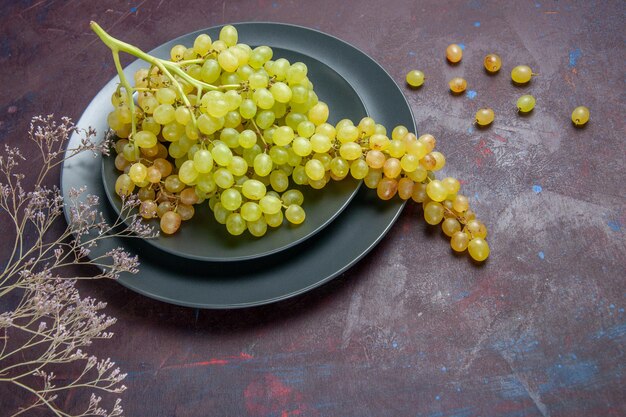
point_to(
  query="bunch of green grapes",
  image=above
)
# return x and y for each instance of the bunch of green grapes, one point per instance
(229, 126)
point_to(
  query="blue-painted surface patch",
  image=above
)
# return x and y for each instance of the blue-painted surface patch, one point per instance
(616, 332)
(133, 9)
(541, 255)
(462, 46)
(574, 56)
(274, 5)
(614, 225)
(470, 129)
(569, 375)
(476, 24)
(471, 94)
(411, 53)
(537, 188)
(444, 369)
(394, 345)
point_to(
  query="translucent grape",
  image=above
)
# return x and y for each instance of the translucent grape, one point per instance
(415, 78)
(166, 95)
(185, 211)
(238, 166)
(263, 164)
(429, 141)
(228, 34)
(164, 114)
(450, 226)
(452, 185)
(251, 211)
(375, 159)
(170, 222)
(274, 220)
(475, 228)
(397, 148)
(270, 204)
(253, 189)
(409, 163)
(222, 155)
(146, 193)
(187, 172)
(314, 169)
(459, 241)
(121, 163)
(283, 136)
(223, 178)
(265, 119)
(405, 188)
(359, 169)
(302, 146)
(339, 167)
(484, 117)
(247, 139)
(231, 199)
(279, 180)
(235, 224)
(258, 227)
(320, 143)
(210, 71)
(306, 129)
(457, 85)
(436, 190)
(138, 172)
(163, 165)
(392, 168)
(188, 196)
(454, 53)
(580, 115)
(419, 193)
(478, 249)
(295, 214)
(281, 92)
(492, 63)
(292, 197)
(440, 160)
(148, 209)
(124, 185)
(460, 203)
(387, 188)
(433, 212)
(525, 103)
(263, 98)
(350, 151)
(318, 114)
(521, 74)
(202, 44)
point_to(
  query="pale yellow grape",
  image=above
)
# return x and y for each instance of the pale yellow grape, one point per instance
(202, 44)
(327, 130)
(387, 188)
(250, 153)
(294, 160)
(306, 129)
(325, 159)
(222, 154)
(281, 92)
(265, 119)
(148, 124)
(440, 160)
(274, 220)
(280, 67)
(164, 114)
(247, 139)
(241, 55)
(299, 94)
(375, 159)
(418, 175)
(302, 146)
(525, 103)
(296, 73)
(251, 211)
(320, 143)
(258, 227)
(279, 155)
(521, 74)
(433, 213)
(415, 78)
(359, 169)
(279, 109)
(263, 165)
(478, 249)
(347, 133)
(170, 222)
(409, 163)
(233, 98)
(138, 172)
(419, 192)
(372, 178)
(293, 119)
(270, 204)
(124, 185)
(461, 203)
(475, 228)
(350, 151)
(228, 35)
(405, 188)
(206, 183)
(208, 124)
(253, 189)
(145, 139)
(231, 199)
(177, 150)
(450, 226)
(292, 197)
(459, 241)
(318, 114)
(221, 213)
(417, 149)
(182, 115)
(223, 178)
(187, 172)
(263, 98)
(314, 169)
(173, 131)
(379, 142)
(397, 148)
(429, 141)
(235, 224)
(580, 115)
(484, 116)
(295, 214)
(452, 185)
(399, 132)
(436, 190)
(147, 102)
(238, 166)
(230, 137)
(339, 167)
(210, 71)
(166, 95)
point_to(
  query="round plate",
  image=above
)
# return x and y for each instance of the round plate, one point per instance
(202, 238)
(292, 271)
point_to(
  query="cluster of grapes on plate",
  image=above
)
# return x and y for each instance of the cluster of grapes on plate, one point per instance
(520, 75)
(226, 125)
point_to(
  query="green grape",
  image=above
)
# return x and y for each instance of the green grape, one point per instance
(475, 228)
(299, 94)
(148, 124)
(314, 169)
(301, 146)
(187, 172)
(210, 71)
(296, 73)
(250, 153)
(166, 95)
(124, 185)
(228, 60)
(318, 114)
(263, 98)
(251, 212)
(347, 133)
(138, 172)
(460, 203)
(147, 102)
(379, 142)
(202, 44)
(436, 190)
(221, 213)
(280, 67)
(459, 241)
(320, 143)
(234, 99)
(265, 118)
(415, 78)
(350, 151)
(367, 126)
(457, 85)
(327, 130)
(521, 74)
(295, 214)
(387, 188)
(409, 163)
(450, 226)
(279, 180)
(145, 139)
(359, 169)
(230, 137)
(478, 249)
(230, 199)
(164, 114)
(418, 175)
(525, 103)
(232, 119)
(492, 63)
(245, 71)
(306, 129)
(324, 158)
(484, 117)
(270, 204)
(281, 92)
(223, 178)
(253, 189)
(279, 155)
(433, 213)
(292, 197)
(339, 167)
(258, 80)
(580, 115)
(397, 148)
(247, 139)
(173, 132)
(452, 185)
(262, 164)
(182, 115)
(206, 183)
(238, 166)
(235, 224)
(283, 135)
(258, 227)
(222, 154)
(274, 220)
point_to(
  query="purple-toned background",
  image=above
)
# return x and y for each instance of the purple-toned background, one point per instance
(412, 330)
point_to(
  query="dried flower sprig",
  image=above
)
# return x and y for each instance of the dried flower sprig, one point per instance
(51, 323)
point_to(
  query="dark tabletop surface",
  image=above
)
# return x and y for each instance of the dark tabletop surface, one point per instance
(411, 330)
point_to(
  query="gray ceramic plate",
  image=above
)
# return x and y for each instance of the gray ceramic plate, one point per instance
(294, 270)
(202, 238)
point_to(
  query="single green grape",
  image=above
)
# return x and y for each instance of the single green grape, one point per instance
(525, 103)
(478, 249)
(580, 115)
(415, 78)
(521, 74)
